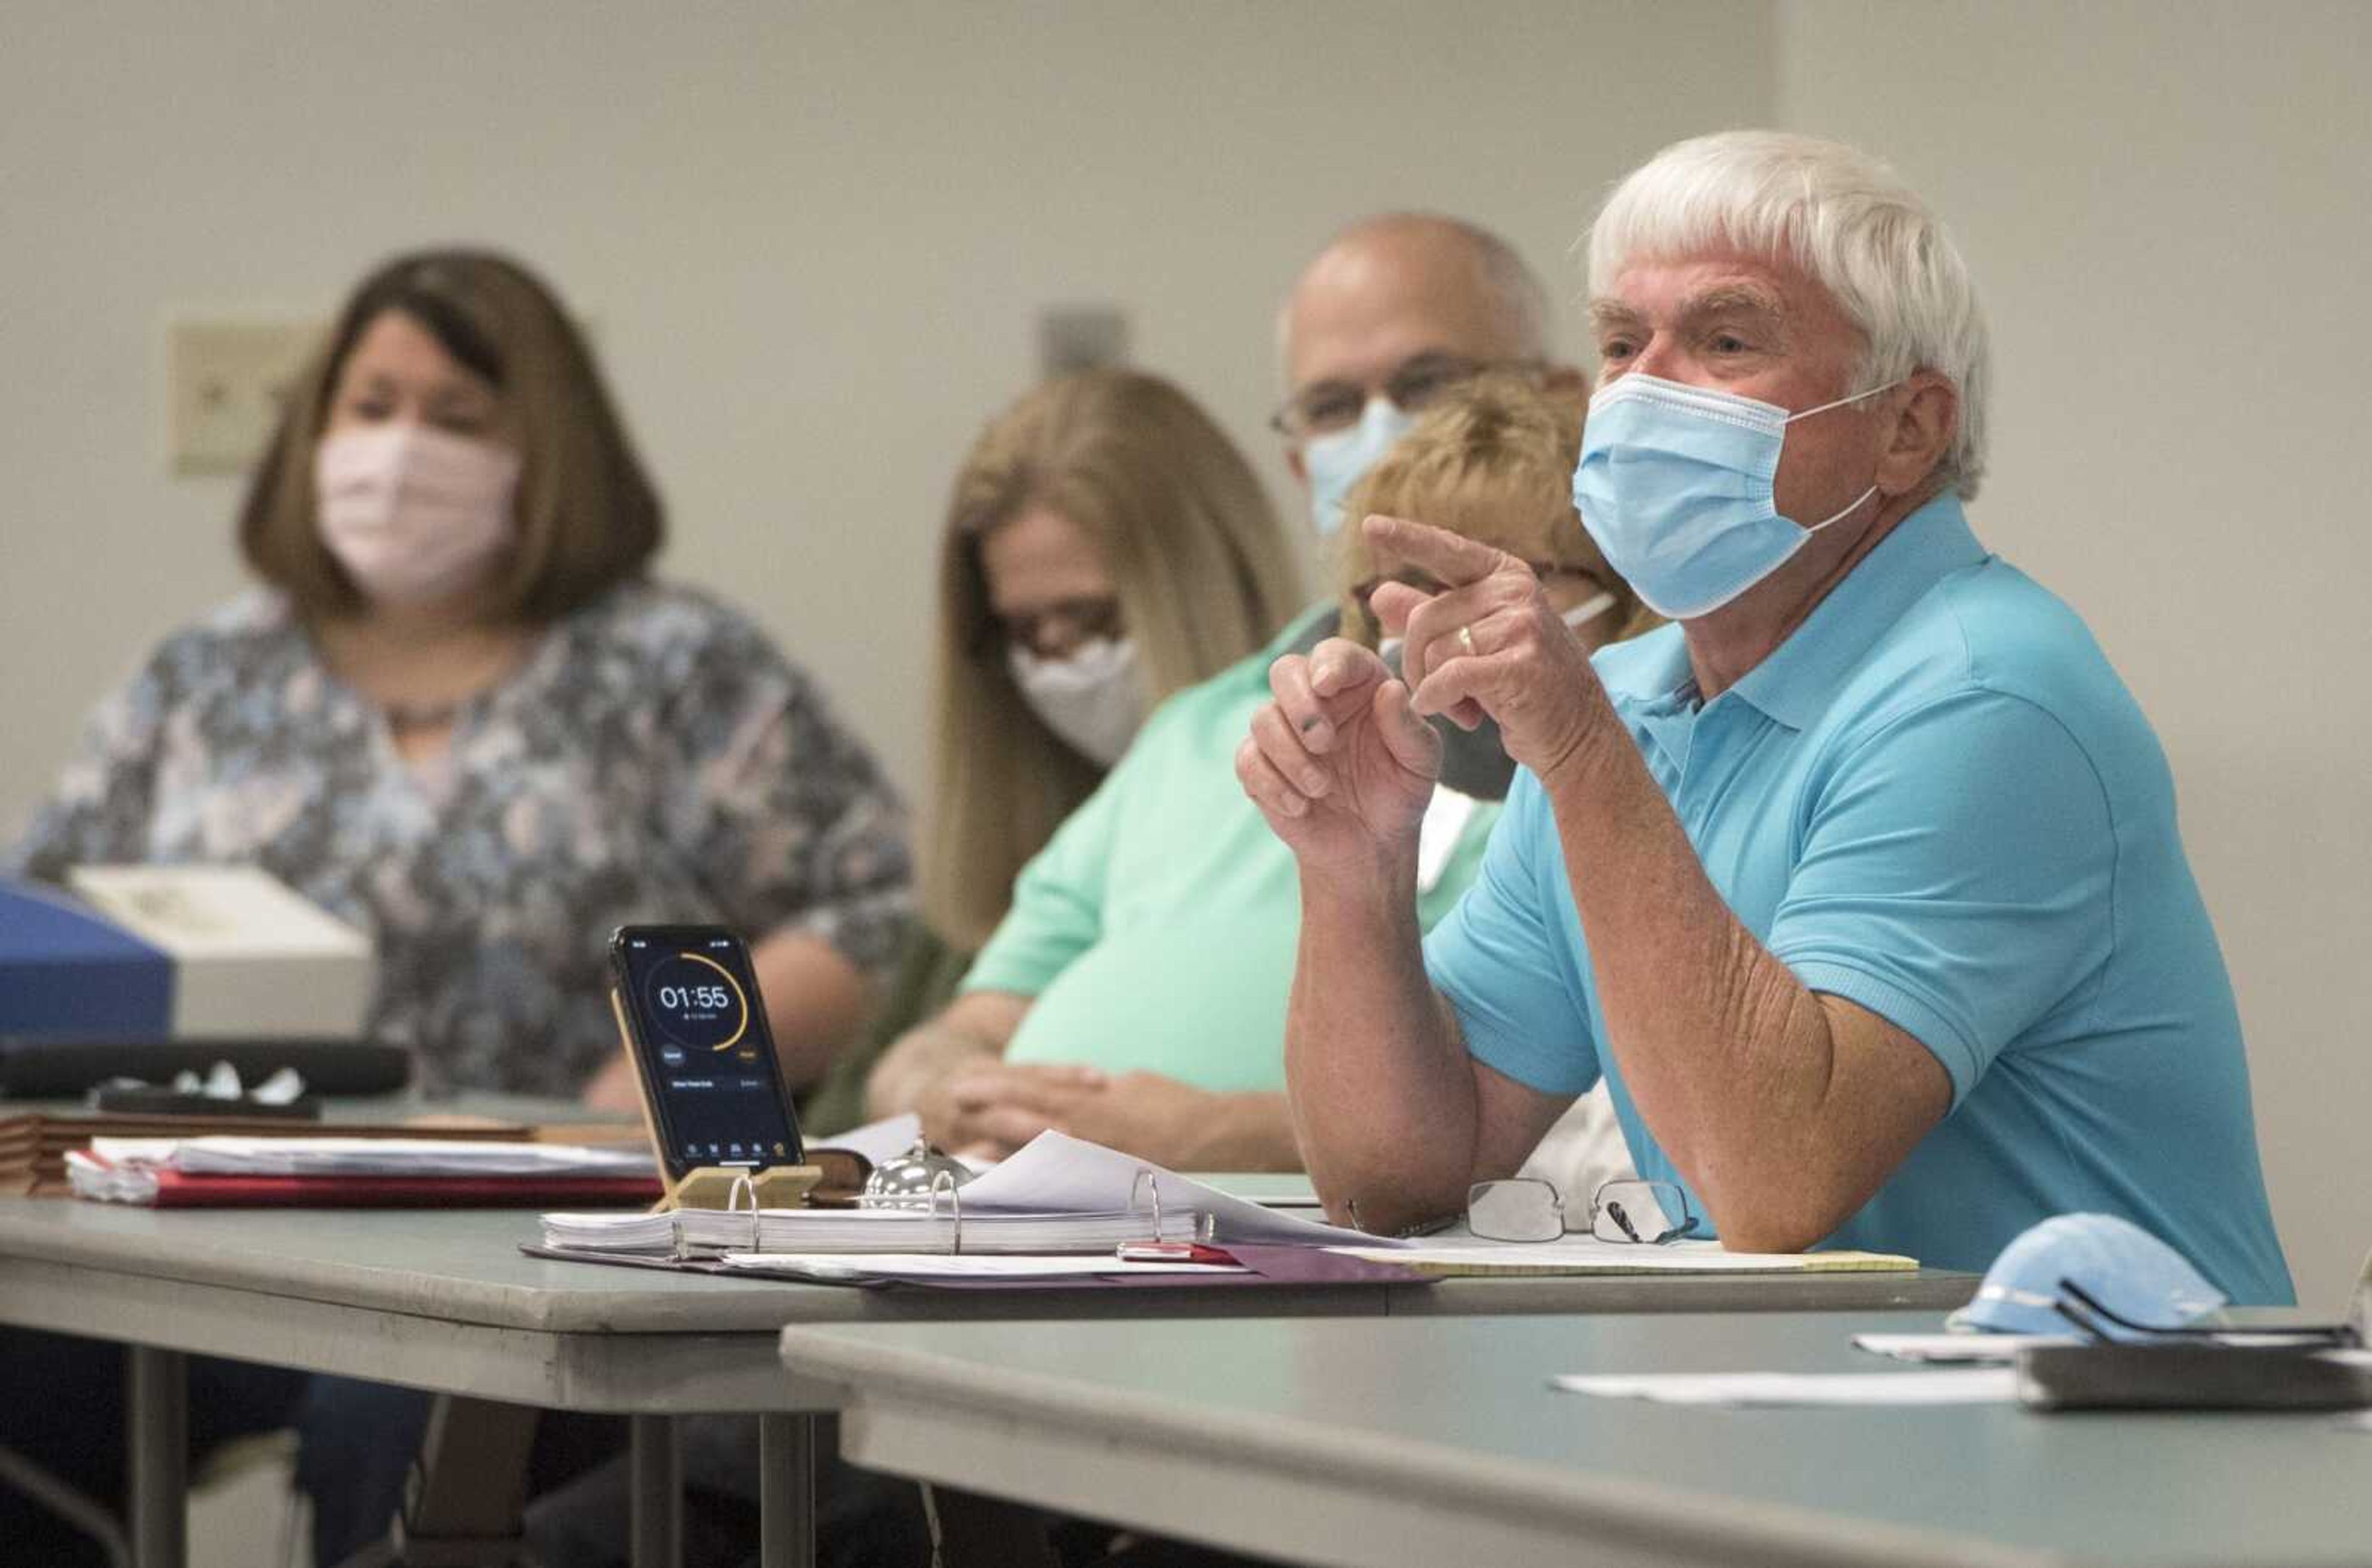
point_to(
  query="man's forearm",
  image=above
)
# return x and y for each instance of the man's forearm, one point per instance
(1382, 1097)
(1728, 1057)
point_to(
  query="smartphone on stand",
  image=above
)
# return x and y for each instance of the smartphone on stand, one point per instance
(688, 1006)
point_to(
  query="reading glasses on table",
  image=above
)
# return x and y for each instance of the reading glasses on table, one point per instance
(1626, 1210)
(1525, 1208)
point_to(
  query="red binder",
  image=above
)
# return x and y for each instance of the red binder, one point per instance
(177, 1191)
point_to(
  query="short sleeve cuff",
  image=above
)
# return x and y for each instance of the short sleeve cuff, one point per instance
(1009, 971)
(1906, 1010)
(1509, 1051)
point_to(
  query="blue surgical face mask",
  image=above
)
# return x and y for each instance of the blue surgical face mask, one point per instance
(1674, 483)
(2124, 1267)
(1335, 463)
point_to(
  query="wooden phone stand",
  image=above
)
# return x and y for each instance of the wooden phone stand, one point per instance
(716, 1186)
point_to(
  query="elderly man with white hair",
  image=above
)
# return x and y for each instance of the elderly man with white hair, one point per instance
(1860, 886)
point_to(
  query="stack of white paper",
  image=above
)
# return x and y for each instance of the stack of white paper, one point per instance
(704, 1231)
(651, 1234)
(106, 1183)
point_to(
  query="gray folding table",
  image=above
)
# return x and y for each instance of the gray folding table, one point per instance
(443, 1301)
(1422, 1443)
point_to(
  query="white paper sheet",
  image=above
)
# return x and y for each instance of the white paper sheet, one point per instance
(1056, 1171)
(1958, 1348)
(968, 1266)
(1583, 1254)
(887, 1139)
(877, 1141)
(1978, 1386)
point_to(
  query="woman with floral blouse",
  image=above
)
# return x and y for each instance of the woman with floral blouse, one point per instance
(459, 714)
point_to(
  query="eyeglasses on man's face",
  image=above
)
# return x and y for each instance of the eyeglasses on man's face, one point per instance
(1628, 1211)
(1323, 408)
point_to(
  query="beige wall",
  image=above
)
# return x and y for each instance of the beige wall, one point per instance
(2169, 208)
(814, 239)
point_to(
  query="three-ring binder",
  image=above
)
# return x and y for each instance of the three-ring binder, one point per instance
(1146, 1226)
(943, 1182)
(1155, 1247)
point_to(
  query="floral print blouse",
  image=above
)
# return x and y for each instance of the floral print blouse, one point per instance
(654, 760)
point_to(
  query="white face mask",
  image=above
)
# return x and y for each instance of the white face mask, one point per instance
(414, 515)
(1091, 699)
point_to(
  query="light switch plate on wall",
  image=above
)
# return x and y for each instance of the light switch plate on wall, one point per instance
(1079, 337)
(226, 379)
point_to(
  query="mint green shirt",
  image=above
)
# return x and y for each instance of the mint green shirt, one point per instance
(1157, 929)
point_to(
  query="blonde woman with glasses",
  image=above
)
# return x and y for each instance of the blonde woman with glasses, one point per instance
(1106, 546)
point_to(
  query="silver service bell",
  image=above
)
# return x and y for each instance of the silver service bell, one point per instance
(906, 1181)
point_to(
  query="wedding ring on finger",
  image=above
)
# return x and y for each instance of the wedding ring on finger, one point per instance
(1466, 639)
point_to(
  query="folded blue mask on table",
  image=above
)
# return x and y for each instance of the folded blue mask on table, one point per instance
(2115, 1262)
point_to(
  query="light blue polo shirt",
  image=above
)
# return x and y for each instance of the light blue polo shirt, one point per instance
(1937, 800)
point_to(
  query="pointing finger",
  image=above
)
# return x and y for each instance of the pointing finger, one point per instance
(1453, 560)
